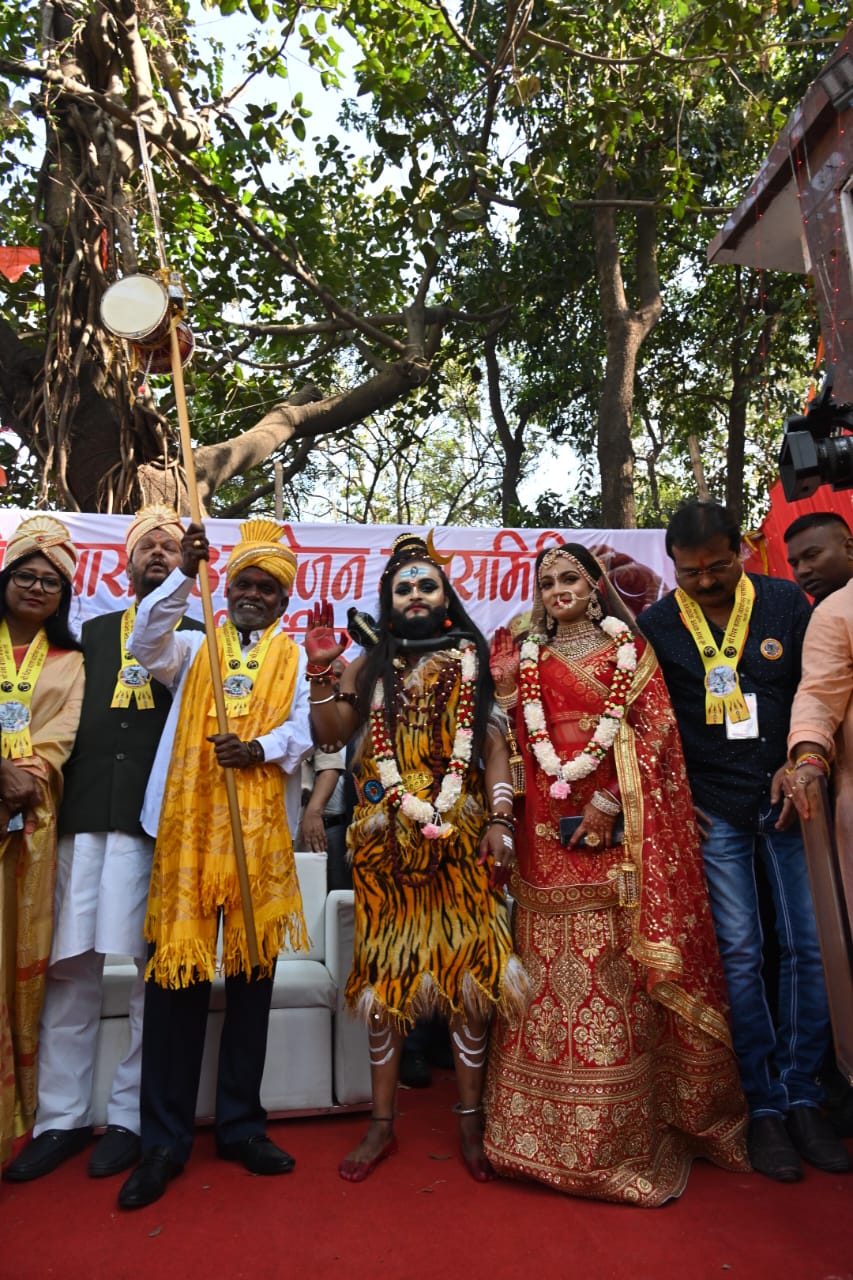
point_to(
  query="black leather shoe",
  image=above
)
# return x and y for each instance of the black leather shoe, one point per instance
(47, 1152)
(259, 1154)
(814, 1138)
(149, 1179)
(771, 1151)
(118, 1148)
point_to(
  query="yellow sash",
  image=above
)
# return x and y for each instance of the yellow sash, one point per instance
(195, 872)
(133, 680)
(16, 691)
(241, 669)
(722, 684)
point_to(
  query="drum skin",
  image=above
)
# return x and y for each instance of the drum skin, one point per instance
(136, 308)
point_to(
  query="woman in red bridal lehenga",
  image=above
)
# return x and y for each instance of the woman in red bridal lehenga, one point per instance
(622, 1071)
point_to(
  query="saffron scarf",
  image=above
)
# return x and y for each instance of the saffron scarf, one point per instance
(195, 871)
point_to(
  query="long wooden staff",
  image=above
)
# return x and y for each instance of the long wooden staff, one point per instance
(833, 922)
(203, 577)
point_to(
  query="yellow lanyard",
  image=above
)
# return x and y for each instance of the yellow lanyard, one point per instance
(133, 680)
(240, 668)
(722, 684)
(16, 691)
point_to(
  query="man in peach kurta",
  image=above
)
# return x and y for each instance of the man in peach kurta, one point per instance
(822, 713)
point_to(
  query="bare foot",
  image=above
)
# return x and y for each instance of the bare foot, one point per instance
(376, 1145)
(471, 1142)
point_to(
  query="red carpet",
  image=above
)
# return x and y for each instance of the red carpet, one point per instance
(420, 1217)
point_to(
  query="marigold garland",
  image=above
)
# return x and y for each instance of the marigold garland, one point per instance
(586, 761)
(430, 814)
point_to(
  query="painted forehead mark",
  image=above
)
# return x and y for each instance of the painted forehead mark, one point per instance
(416, 571)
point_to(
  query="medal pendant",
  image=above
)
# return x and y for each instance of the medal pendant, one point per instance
(14, 716)
(238, 686)
(721, 680)
(133, 675)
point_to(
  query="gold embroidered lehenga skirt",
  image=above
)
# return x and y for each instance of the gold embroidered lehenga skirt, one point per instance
(622, 1070)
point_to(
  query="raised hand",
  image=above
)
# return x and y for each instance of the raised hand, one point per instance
(504, 661)
(320, 643)
(194, 549)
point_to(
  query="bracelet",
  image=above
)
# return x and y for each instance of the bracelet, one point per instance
(506, 701)
(813, 758)
(604, 802)
(318, 702)
(502, 820)
(342, 695)
(317, 673)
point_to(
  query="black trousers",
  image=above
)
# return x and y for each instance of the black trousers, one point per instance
(173, 1033)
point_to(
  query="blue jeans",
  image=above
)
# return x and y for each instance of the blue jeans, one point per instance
(778, 1063)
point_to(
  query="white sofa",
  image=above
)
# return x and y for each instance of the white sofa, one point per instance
(317, 1057)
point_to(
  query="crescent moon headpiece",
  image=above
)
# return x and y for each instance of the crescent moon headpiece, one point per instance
(411, 546)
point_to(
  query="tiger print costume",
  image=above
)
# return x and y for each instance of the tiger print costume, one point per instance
(431, 934)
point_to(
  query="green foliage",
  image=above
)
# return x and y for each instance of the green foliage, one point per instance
(459, 174)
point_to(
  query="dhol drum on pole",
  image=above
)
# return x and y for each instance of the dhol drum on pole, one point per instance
(136, 308)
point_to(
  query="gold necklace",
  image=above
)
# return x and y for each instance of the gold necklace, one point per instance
(576, 639)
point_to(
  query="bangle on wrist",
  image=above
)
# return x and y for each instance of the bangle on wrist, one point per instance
(314, 671)
(502, 820)
(605, 803)
(813, 758)
(506, 701)
(318, 702)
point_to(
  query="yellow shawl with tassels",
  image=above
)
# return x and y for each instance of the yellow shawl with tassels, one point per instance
(195, 871)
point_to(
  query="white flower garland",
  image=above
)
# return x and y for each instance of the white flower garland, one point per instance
(428, 815)
(588, 760)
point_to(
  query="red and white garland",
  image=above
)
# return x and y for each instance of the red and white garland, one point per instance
(587, 760)
(430, 814)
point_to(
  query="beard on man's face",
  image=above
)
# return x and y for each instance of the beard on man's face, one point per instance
(420, 626)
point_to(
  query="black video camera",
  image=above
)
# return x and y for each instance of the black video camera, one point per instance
(811, 455)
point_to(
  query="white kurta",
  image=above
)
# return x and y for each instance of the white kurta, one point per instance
(101, 894)
(168, 655)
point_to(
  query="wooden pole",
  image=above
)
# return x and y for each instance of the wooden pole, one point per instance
(833, 921)
(213, 652)
(203, 578)
(278, 472)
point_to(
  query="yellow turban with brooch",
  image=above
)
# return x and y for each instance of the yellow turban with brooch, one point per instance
(261, 546)
(46, 536)
(157, 515)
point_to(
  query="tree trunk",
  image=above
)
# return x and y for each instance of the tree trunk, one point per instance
(512, 442)
(625, 330)
(746, 375)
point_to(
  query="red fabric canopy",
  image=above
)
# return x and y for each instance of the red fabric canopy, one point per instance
(768, 544)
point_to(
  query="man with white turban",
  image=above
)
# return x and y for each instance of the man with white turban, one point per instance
(194, 880)
(104, 866)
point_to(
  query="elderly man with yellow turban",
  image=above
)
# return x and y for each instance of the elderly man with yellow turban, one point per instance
(104, 867)
(194, 880)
